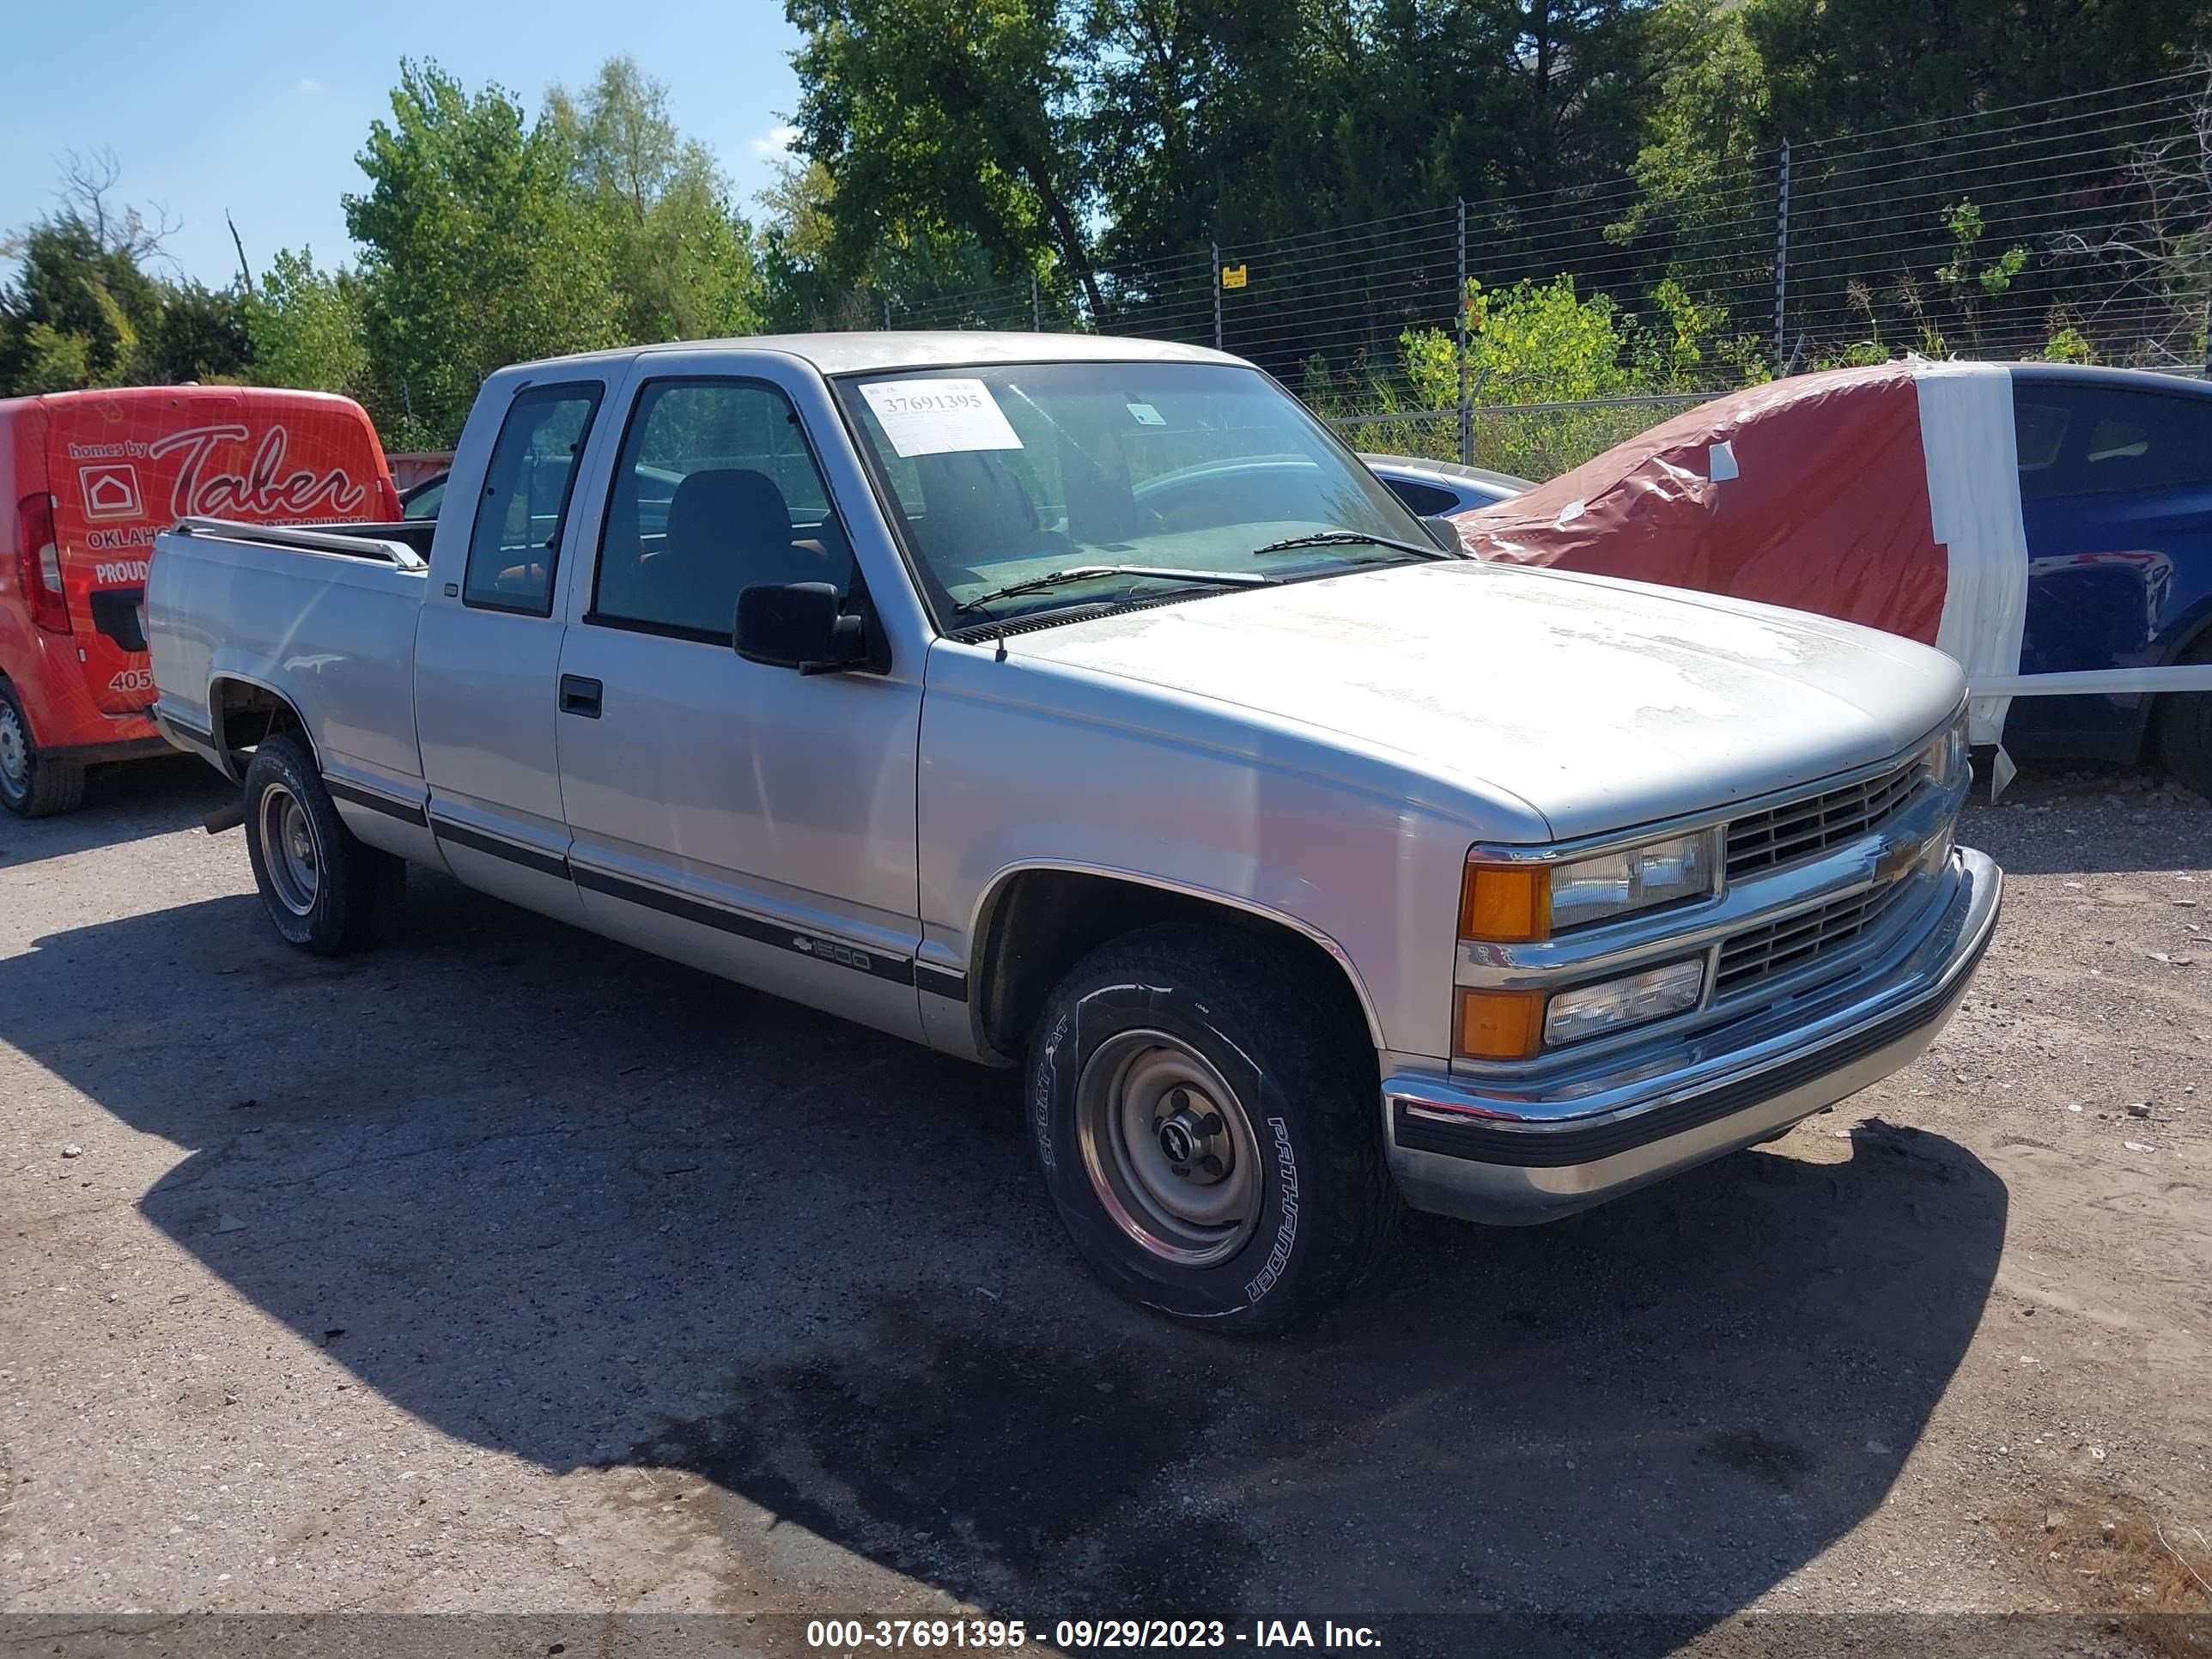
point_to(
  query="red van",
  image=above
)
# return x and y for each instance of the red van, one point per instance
(86, 480)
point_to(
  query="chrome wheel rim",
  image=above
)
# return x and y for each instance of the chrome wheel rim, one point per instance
(289, 851)
(1169, 1148)
(15, 753)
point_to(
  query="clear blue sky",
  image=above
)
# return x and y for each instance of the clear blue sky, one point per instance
(260, 105)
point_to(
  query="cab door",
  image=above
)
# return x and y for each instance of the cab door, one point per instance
(488, 648)
(747, 819)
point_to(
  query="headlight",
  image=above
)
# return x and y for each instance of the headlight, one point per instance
(1512, 903)
(1657, 872)
(1945, 758)
(1655, 994)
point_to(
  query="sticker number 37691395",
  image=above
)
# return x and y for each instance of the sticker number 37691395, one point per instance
(940, 417)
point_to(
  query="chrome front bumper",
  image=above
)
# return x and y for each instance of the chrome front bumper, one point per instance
(1520, 1157)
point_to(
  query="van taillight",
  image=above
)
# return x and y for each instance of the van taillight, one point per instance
(38, 563)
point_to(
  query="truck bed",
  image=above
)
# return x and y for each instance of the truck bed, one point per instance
(325, 617)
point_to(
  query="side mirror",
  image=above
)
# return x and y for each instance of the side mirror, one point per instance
(1444, 532)
(800, 625)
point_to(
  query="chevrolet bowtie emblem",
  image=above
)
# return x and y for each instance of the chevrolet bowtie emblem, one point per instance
(1897, 860)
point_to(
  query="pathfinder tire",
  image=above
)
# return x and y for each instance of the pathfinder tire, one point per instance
(326, 892)
(32, 785)
(1203, 1112)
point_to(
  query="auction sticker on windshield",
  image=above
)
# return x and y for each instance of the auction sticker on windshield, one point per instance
(937, 417)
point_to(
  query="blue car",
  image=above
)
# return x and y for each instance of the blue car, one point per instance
(2116, 499)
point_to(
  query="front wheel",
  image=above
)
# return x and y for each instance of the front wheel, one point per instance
(325, 891)
(1203, 1109)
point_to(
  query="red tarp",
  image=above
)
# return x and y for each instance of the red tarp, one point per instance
(1827, 509)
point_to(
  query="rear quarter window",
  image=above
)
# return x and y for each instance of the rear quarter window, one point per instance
(514, 542)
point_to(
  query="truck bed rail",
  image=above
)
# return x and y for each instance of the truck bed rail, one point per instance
(374, 541)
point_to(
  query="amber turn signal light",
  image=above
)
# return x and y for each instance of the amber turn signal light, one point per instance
(1500, 1024)
(1505, 903)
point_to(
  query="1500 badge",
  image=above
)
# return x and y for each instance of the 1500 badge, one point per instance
(830, 951)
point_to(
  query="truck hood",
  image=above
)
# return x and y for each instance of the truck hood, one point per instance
(1599, 703)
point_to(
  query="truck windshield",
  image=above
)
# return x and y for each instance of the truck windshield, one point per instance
(1004, 474)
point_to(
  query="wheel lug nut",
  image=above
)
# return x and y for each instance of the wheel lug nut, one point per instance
(1210, 1124)
(1211, 1165)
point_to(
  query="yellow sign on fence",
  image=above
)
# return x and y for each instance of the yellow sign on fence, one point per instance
(1232, 276)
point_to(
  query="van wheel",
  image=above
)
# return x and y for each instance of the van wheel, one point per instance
(2184, 730)
(1204, 1112)
(325, 891)
(31, 786)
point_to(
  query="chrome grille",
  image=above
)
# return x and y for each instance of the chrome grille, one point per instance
(1800, 829)
(1761, 953)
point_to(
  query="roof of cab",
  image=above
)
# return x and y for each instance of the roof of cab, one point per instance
(865, 350)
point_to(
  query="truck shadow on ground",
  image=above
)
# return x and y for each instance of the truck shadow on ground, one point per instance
(597, 1211)
(121, 803)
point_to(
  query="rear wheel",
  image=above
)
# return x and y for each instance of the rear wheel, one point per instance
(1203, 1107)
(325, 891)
(31, 784)
(2184, 730)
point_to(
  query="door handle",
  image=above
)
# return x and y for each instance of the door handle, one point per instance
(580, 696)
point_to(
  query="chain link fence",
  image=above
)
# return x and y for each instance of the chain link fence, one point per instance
(1528, 333)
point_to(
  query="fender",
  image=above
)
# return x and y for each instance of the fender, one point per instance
(220, 740)
(994, 889)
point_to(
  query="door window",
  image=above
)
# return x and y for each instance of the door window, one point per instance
(516, 540)
(716, 490)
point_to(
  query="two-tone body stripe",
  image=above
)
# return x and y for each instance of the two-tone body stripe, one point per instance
(406, 811)
(941, 981)
(897, 970)
(545, 864)
(900, 970)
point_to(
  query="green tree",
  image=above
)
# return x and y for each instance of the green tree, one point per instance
(940, 117)
(83, 306)
(907, 274)
(684, 260)
(308, 328)
(200, 335)
(479, 249)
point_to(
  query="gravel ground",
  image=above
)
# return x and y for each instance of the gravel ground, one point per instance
(506, 1270)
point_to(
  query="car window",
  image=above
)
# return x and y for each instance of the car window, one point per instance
(2091, 440)
(425, 502)
(516, 542)
(715, 491)
(1425, 498)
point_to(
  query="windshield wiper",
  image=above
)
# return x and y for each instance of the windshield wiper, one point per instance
(1076, 572)
(1348, 537)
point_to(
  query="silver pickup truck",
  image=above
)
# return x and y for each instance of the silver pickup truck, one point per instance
(1083, 705)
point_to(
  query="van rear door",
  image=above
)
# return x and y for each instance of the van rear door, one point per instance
(126, 464)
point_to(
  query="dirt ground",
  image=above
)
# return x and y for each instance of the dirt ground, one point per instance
(508, 1271)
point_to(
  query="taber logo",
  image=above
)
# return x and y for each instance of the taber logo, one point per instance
(264, 490)
(110, 490)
